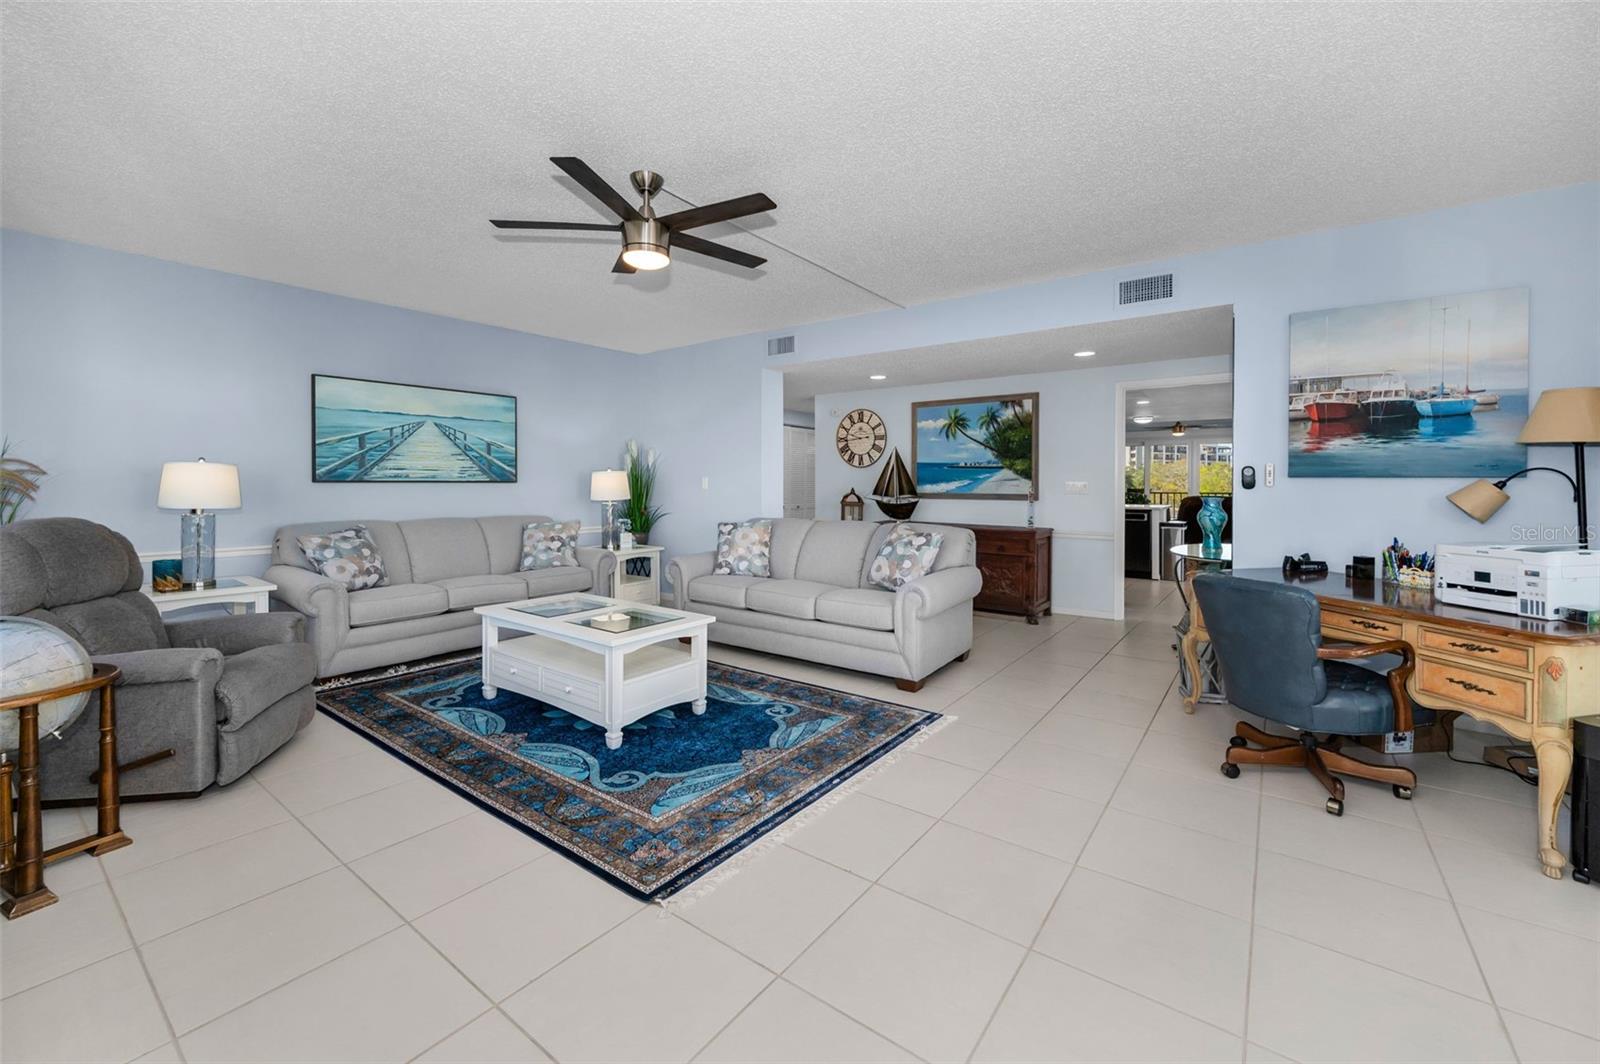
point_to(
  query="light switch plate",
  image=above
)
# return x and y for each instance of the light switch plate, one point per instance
(1077, 487)
(705, 483)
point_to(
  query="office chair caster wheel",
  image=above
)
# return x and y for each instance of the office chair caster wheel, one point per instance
(1230, 770)
(1238, 741)
(1403, 793)
(1334, 806)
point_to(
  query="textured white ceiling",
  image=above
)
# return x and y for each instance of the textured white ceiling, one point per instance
(922, 151)
(1152, 338)
(1190, 403)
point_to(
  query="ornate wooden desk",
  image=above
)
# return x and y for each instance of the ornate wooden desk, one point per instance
(1524, 676)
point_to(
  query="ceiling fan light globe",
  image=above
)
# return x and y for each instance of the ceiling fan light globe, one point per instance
(646, 256)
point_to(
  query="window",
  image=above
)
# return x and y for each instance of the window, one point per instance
(1169, 468)
(1216, 469)
(1133, 473)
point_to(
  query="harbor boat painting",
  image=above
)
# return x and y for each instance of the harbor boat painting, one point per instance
(984, 448)
(1434, 387)
(365, 430)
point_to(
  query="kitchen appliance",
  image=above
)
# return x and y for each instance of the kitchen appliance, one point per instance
(1141, 540)
(1531, 581)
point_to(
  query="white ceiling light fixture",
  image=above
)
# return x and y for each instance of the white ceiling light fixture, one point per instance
(1143, 419)
(1141, 402)
(878, 377)
(1083, 354)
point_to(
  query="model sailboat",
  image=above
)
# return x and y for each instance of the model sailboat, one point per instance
(896, 490)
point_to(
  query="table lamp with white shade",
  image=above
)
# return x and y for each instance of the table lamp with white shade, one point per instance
(1562, 415)
(608, 487)
(198, 487)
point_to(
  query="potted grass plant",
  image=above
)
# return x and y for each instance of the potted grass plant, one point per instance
(19, 483)
(639, 509)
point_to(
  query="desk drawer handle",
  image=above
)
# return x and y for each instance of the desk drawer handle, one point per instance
(1475, 648)
(1371, 626)
(1470, 686)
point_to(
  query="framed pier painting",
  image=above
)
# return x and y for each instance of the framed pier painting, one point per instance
(1434, 387)
(379, 431)
(983, 448)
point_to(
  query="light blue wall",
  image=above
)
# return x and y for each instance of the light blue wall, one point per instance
(1077, 421)
(1549, 241)
(114, 363)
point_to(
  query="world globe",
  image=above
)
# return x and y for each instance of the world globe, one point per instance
(35, 656)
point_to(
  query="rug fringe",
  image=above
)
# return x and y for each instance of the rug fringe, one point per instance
(709, 882)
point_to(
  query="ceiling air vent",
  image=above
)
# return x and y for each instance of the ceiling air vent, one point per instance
(1144, 289)
(780, 345)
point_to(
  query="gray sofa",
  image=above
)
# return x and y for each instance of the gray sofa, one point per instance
(220, 692)
(438, 569)
(817, 604)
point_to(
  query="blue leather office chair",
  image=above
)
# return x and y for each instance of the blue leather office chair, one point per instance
(1268, 642)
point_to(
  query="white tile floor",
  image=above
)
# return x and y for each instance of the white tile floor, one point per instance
(1061, 875)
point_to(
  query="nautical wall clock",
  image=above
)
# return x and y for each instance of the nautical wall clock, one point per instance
(861, 438)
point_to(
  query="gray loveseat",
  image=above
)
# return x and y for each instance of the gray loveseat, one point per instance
(220, 692)
(438, 569)
(817, 604)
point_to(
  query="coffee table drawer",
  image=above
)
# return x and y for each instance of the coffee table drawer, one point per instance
(576, 689)
(509, 672)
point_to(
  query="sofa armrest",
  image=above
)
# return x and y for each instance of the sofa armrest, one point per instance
(933, 594)
(202, 665)
(685, 569)
(310, 593)
(601, 563)
(235, 635)
(325, 604)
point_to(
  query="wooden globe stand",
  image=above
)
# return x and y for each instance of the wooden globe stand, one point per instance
(22, 853)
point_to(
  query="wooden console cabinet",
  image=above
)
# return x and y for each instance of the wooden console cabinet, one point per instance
(1015, 562)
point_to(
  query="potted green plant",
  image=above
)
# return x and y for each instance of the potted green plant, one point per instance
(19, 483)
(638, 509)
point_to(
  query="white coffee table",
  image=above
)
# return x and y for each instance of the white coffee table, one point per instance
(607, 661)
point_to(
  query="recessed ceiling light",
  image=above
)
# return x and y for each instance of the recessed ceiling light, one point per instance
(1143, 419)
(1083, 354)
(1141, 402)
(878, 377)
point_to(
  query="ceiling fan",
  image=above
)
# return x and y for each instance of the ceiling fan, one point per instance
(647, 241)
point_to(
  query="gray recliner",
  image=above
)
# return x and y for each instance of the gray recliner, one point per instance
(220, 692)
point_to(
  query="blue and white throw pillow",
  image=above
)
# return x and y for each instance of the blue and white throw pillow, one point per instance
(744, 548)
(907, 555)
(548, 544)
(348, 557)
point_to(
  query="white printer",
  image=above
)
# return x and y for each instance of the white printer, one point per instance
(1533, 581)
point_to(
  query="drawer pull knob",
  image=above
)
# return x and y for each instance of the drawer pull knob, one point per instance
(567, 689)
(512, 671)
(1475, 648)
(1469, 686)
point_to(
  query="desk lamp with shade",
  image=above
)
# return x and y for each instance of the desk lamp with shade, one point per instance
(198, 487)
(1562, 415)
(608, 487)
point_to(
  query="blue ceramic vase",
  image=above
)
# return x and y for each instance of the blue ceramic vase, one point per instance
(1212, 518)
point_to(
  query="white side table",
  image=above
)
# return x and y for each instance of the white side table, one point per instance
(644, 584)
(241, 594)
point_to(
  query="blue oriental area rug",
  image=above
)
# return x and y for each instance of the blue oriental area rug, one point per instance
(681, 795)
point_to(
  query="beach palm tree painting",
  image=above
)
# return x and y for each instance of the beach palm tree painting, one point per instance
(984, 448)
(377, 431)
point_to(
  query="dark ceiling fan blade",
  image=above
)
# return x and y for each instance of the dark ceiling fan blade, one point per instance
(579, 171)
(622, 267)
(595, 227)
(754, 203)
(690, 242)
